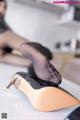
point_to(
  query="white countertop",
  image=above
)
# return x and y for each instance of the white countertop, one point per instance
(17, 106)
(67, 51)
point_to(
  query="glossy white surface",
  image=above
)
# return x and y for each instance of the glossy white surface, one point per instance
(17, 106)
(40, 25)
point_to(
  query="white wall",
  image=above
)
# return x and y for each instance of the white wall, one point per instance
(38, 25)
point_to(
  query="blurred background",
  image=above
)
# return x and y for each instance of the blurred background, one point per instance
(57, 26)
